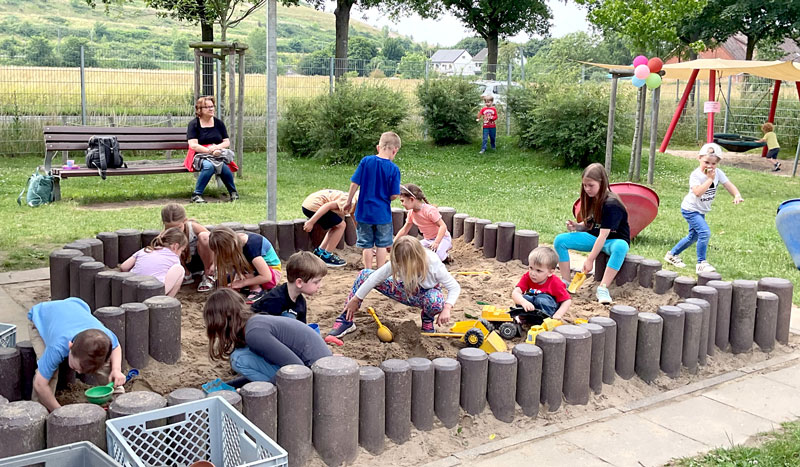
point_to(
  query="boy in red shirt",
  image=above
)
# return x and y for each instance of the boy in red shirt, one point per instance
(489, 115)
(539, 288)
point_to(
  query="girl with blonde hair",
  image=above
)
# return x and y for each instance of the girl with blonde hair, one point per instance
(414, 276)
(161, 259)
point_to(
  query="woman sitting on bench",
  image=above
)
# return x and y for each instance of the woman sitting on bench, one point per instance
(208, 150)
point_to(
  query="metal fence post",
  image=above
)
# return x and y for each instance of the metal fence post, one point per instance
(727, 105)
(427, 66)
(796, 156)
(168, 154)
(83, 90)
(508, 89)
(330, 75)
(697, 110)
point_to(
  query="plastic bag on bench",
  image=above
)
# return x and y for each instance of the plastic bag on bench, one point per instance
(103, 153)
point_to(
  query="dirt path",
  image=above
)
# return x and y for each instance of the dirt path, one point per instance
(743, 160)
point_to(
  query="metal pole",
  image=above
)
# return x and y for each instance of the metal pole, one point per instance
(651, 161)
(272, 111)
(612, 108)
(83, 90)
(677, 90)
(240, 115)
(330, 76)
(727, 105)
(796, 157)
(508, 114)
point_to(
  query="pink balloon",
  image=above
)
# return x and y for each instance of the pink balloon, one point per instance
(640, 60)
(641, 72)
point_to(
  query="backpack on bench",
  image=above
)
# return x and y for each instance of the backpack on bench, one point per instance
(103, 153)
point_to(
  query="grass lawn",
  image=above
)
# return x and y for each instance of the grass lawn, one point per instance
(513, 185)
(778, 448)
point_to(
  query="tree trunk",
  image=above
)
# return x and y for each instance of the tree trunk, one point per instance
(751, 47)
(342, 14)
(491, 57)
(207, 32)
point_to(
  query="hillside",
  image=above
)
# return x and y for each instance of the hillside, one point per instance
(131, 30)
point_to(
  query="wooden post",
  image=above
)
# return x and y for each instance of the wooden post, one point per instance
(240, 117)
(198, 70)
(677, 115)
(612, 111)
(637, 168)
(651, 162)
(637, 136)
(231, 57)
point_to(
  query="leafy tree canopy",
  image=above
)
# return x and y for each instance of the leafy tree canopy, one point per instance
(473, 45)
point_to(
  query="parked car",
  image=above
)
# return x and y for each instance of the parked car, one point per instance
(498, 89)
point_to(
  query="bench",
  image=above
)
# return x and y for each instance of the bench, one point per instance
(76, 138)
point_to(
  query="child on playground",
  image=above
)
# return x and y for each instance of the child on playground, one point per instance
(66, 330)
(378, 179)
(257, 345)
(427, 218)
(161, 259)
(773, 147)
(703, 184)
(414, 276)
(245, 260)
(539, 288)
(488, 115)
(326, 208)
(602, 226)
(198, 256)
(304, 273)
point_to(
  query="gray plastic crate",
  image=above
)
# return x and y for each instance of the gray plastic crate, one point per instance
(83, 454)
(8, 335)
(211, 430)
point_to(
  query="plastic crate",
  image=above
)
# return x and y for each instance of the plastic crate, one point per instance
(8, 335)
(83, 454)
(211, 430)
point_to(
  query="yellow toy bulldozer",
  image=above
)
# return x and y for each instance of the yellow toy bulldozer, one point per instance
(474, 334)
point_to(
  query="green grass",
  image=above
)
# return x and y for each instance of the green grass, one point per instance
(513, 185)
(776, 449)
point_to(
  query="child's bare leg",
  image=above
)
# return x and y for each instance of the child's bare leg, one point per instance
(205, 252)
(332, 237)
(381, 254)
(609, 276)
(174, 279)
(563, 267)
(366, 257)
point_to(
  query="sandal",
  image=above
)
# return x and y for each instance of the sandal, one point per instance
(206, 285)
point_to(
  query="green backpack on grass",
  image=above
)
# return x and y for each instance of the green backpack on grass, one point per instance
(40, 189)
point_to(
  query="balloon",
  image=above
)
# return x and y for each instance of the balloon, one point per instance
(640, 60)
(641, 72)
(638, 82)
(653, 81)
(655, 64)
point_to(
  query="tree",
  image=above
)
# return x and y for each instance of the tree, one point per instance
(473, 45)
(412, 66)
(10, 46)
(71, 52)
(40, 52)
(362, 49)
(393, 49)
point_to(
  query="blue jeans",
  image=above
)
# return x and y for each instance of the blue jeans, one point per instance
(543, 301)
(488, 133)
(207, 172)
(615, 248)
(251, 366)
(698, 232)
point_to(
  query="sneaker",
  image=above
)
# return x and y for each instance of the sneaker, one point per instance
(674, 260)
(254, 296)
(703, 266)
(428, 327)
(342, 327)
(332, 260)
(482, 151)
(234, 196)
(206, 285)
(777, 167)
(198, 199)
(187, 279)
(603, 296)
(318, 251)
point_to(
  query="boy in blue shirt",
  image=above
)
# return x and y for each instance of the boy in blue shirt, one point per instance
(66, 329)
(378, 178)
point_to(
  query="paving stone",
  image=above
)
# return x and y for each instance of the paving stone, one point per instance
(722, 425)
(790, 376)
(551, 451)
(629, 441)
(760, 396)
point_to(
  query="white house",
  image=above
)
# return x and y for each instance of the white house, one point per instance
(479, 60)
(453, 62)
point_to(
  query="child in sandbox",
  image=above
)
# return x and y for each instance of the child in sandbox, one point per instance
(161, 259)
(326, 208)
(414, 276)
(198, 257)
(304, 273)
(245, 260)
(257, 345)
(66, 330)
(427, 218)
(539, 288)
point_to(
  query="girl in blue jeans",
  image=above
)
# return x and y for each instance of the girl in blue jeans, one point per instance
(703, 184)
(257, 345)
(602, 226)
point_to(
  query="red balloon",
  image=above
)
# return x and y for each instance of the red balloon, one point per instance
(655, 64)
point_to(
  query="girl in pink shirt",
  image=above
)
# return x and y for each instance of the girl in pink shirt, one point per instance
(427, 219)
(161, 259)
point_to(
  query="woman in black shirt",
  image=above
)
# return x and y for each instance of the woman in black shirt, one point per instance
(208, 150)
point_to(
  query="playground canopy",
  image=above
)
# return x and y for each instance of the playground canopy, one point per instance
(776, 70)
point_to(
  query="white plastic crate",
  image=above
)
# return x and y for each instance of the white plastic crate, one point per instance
(211, 430)
(83, 454)
(8, 335)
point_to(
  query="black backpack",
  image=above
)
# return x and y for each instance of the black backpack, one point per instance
(103, 153)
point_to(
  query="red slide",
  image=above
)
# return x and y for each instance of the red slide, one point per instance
(641, 202)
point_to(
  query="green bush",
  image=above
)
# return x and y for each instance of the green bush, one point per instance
(567, 121)
(345, 126)
(449, 106)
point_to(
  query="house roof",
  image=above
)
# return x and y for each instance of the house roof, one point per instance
(736, 46)
(481, 56)
(447, 55)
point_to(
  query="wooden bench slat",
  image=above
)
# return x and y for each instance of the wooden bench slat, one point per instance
(122, 171)
(82, 138)
(114, 131)
(165, 145)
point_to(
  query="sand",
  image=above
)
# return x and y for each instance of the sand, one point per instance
(494, 287)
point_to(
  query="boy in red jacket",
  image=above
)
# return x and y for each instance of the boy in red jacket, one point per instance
(489, 115)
